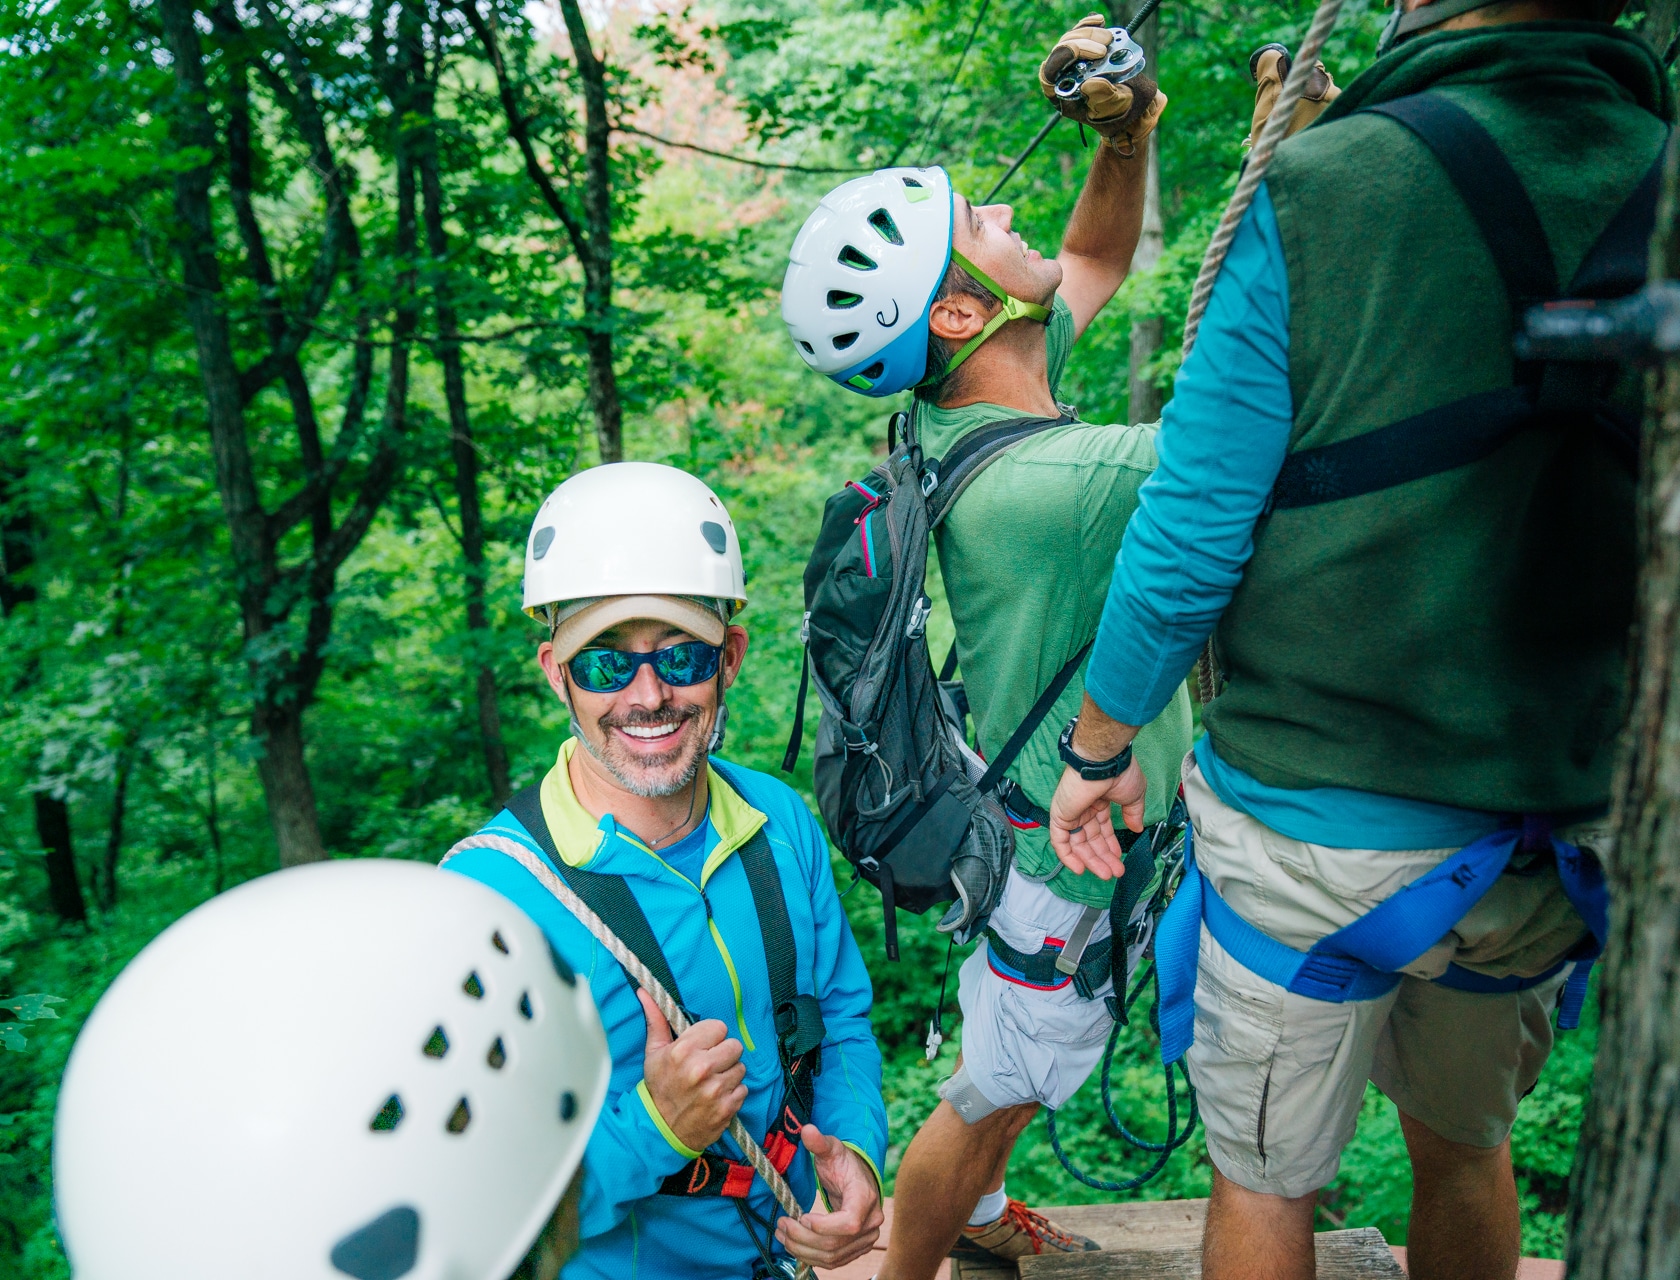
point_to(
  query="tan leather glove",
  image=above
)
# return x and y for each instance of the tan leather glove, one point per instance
(1270, 68)
(1123, 114)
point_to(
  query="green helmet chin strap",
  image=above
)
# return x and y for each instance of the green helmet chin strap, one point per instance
(1013, 309)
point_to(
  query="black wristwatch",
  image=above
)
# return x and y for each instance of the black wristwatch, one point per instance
(1092, 770)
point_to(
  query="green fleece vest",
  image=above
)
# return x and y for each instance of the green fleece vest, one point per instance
(1460, 638)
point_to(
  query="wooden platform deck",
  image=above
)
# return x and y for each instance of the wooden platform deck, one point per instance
(1161, 1240)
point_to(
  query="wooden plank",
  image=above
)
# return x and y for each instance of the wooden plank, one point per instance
(1136, 1224)
(998, 1270)
(1342, 1255)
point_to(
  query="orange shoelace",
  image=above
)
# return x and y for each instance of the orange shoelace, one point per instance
(1038, 1228)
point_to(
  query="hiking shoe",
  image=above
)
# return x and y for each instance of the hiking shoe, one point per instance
(1019, 1232)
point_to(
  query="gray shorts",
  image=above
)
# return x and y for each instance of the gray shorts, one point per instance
(1280, 1077)
(1024, 1043)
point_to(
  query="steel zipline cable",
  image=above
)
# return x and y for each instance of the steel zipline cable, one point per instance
(644, 978)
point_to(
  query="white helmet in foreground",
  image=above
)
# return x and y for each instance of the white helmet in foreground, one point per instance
(864, 272)
(367, 1069)
(632, 540)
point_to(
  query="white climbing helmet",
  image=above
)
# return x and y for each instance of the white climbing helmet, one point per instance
(367, 1069)
(862, 273)
(633, 540)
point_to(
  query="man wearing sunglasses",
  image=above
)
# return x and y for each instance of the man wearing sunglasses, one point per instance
(716, 876)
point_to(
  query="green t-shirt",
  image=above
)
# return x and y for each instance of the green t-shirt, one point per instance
(1027, 554)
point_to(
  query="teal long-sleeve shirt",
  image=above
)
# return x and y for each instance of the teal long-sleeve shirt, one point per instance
(629, 1229)
(1222, 442)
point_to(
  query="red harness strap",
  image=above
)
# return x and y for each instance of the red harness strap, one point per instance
(714, 1175)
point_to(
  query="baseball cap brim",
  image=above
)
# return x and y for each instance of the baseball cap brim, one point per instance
(576, 630)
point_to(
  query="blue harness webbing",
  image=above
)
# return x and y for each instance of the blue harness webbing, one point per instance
(1362, 960)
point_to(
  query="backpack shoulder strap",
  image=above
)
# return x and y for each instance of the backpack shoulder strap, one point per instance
(608, 896)
(1023, 731)
(1490, 189)
(973, 454)
(1620, 259)
(799, 1023)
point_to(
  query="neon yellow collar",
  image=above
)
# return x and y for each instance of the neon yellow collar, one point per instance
(1013, 309)
(577, 834)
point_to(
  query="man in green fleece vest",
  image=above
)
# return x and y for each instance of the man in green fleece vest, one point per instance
(1416, 556)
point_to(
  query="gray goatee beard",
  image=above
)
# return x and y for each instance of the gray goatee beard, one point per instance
(650, 782)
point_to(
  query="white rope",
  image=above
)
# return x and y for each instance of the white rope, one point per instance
(644, 977)
(1259, 159)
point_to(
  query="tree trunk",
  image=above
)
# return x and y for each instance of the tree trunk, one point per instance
(591, 237)
(1143, 393)
(1625, 1193)
(212, 806)
(598, 257)
(114, 833)
(52, 815)
(465, 457)
(286, 784)
(1661, 24)
(64, 890)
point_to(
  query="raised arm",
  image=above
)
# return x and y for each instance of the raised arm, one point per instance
(1103, 233)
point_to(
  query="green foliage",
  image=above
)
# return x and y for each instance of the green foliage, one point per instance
(124, 672)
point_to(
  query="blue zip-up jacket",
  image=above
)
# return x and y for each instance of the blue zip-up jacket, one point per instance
(629, 1229)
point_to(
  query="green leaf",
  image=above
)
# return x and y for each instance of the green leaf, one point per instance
(31, 1008)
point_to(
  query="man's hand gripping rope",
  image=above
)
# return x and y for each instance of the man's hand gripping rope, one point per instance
(676, 1019)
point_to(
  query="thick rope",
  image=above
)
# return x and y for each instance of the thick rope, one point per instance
(1259, 159)
(644, 977)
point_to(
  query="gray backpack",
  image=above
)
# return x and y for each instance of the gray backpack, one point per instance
(914, 810)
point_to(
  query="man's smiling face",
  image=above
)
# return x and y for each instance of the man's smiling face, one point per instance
(983, 235)
(650, 736)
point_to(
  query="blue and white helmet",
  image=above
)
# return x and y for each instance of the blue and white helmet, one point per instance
(862, 274)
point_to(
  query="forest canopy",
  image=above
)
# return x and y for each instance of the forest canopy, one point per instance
(305, 307)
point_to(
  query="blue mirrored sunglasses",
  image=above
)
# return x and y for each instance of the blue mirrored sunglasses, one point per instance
(609, 670)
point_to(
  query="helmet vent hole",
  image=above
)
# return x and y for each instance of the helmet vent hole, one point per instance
(875, 370)
(840, 300)
(809, 349)
(473, 987)
(911, 182)
(882, 221)
(459, 1118)
(500, 943)
(383, 1249)
(844, 340)
(437, 1045)
(497, 1057)
(568, 1107)
(525, 1010)
(389, 1117)
(851, 257)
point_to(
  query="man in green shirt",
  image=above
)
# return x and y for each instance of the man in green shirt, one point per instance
(1025, 556)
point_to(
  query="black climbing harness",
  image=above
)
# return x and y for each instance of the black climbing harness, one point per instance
(1154, 864)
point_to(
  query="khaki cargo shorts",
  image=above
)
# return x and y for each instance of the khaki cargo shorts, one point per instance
(1280, 1077)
